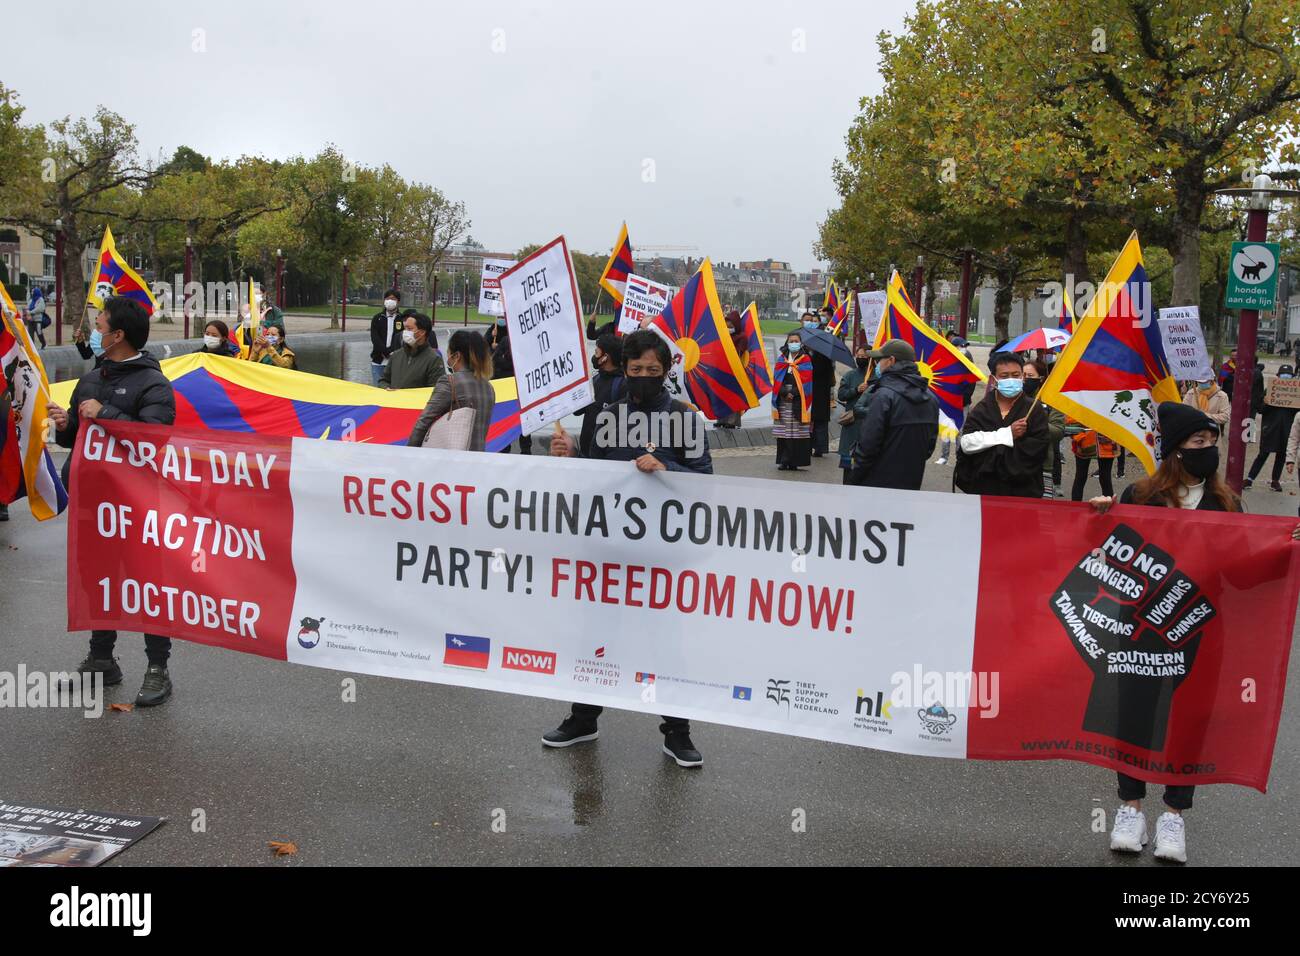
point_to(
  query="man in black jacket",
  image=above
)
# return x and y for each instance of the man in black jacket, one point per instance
(127, 386)
(606, 386)
(1004, 440)
(823, 381)
(901, 425)
(632, 430)
(385, 334)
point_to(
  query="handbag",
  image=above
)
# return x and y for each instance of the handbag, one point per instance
(454, 429)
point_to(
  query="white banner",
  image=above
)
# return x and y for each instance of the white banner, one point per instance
(548, 338)
(871, 306)
(1180, 328)
(642, 299)
(685, 595)
(489, 289)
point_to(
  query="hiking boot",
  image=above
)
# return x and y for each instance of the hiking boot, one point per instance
(157, 687)
(573, 730)
(102, 665)
(678, 746)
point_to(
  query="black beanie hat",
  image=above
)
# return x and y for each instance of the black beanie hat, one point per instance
(1177, 421)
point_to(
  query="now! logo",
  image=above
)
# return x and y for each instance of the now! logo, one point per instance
(522, 659)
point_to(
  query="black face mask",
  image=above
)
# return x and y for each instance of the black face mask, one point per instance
(1032, 386)
(863, 363)
(644, 388)
(1200, 462)
(595, 362)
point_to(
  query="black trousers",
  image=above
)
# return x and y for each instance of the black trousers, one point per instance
(670, 725)
(1257, 465)
(821, 437)
(156, 647)
(1081, 468)
(1057, 460)
(1176, 798)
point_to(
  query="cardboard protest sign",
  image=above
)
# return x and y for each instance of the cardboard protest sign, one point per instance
(539, 298)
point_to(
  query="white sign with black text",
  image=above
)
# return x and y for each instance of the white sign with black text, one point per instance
(1180, 330)
(489, 288)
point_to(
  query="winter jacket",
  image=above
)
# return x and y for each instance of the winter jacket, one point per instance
(413, 368)
(674, 458)
(1214, 403)
(823, 375)
(997, 463)
(279, 355)
(855, 402)
(898, 432)
(606, 387)
(385, 335)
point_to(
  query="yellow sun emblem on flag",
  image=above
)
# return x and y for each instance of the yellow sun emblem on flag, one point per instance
(924, 369)
(690, 353)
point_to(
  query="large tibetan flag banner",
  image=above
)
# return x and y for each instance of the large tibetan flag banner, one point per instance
(113, 276)
(945, 368)
(1113, 373)
(22, 372)
(213, 391)
(715, 376)
(1133, 633)
(614, 279)
(756, 360)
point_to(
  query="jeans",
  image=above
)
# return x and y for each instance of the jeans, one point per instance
(670, 725)
(1176, 798)
(156, 648)
(375, 372)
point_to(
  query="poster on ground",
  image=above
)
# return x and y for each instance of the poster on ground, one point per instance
(41, 835)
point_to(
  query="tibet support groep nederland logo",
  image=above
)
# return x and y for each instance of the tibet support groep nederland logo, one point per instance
(309, 631)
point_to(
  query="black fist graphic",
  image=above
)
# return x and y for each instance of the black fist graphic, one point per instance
(1137, 622)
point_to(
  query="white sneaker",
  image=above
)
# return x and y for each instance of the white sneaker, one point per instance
(1129, 834)
(941, 461)
(1171, 838)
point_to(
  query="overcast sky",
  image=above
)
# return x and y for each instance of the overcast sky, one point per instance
(543, 117)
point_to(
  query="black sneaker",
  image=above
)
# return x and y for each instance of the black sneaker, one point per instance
(100, 665)
(157, 687)
(678, 746)
(1275, 485)
(4, 512)
(1247, 483)
(572, 731)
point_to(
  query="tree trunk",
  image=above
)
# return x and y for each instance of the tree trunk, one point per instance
(74, 279)
(1190, 196)
(1002, 304)
(1075, 261)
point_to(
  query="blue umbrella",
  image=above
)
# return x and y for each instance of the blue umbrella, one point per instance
(827, 345)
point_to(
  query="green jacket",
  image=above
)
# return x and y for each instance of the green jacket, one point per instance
(851, 401)
(418, 368)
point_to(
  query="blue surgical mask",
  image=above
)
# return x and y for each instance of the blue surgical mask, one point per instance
(1285, 377)
(96, 342)
(1206, 386)
(1010, 387)
(810, 325)
(501, 322)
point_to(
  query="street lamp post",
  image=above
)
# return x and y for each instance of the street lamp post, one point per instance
(345, 296)
(465, 297)
(918, 277)
(279, 278)
(434, 305)
(58, 282)
(1261, 193)
(189, 267)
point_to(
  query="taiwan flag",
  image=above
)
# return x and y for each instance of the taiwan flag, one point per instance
(464, 650)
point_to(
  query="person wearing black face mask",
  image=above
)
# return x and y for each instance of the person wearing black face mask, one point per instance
(641, 412)
(854, 395)
(606, 385)
(1188, 477)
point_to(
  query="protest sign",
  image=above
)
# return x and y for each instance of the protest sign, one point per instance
(1284, 393)
(539, 297)
(1180, 330)
(871, 306)
(642, 299)
(801, 609)
(40, 835)
(489, 287)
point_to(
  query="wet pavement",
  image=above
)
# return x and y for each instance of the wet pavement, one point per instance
(414, 773)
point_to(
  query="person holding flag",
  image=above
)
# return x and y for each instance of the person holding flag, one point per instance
(1003, 443)
(792, 396)
(129, 386)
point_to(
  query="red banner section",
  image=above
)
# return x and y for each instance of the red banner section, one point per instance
(1145, 640)
(188, 533)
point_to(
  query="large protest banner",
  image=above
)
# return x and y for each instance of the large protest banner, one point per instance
(539, 298)
(1141, 640)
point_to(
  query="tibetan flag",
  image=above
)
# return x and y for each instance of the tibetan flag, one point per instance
(614, 279)
(465, 650)
(114, 277)
(832, 299)
(213, 391)
(25, 424)
(947, 370)
(246, 331)
(839, 321)
(1067, 313)
(715, 375)
(801, 369)
(756, 360)
(1114, 372)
